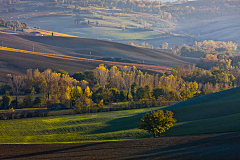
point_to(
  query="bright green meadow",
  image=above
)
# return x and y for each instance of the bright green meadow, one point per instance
(114, 125)
(218, 112)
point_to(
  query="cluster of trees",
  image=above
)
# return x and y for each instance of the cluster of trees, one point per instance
(201, 49)
(52, 87)
(218, 54)
(209, 81)
(93, 88)
(164, 45)
(8, 1)
(144, 44)
(225, 63)
(12, 24)
(125, 84)
(216, 45)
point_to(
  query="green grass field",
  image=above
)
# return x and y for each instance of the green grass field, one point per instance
(110, 33)
(105, 126)
(123, 21)
(219, 112)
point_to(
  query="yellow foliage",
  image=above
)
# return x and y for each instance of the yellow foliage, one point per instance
(87, 92)
(12, 110)
(211, 57)
(49, 33)
(100, 103)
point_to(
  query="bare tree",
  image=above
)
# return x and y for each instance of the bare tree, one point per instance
(17, 83)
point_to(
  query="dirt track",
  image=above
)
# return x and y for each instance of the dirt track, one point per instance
(210, 146)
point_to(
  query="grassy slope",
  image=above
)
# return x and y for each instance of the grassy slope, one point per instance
(217, 112)
(214, 114)
(74, 128)
(111, 33)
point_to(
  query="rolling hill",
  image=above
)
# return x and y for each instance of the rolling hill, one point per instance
(17, 63)
(218, 112)
(99, 48)
(76, 47)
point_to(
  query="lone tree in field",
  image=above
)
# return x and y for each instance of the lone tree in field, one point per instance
(157, 122)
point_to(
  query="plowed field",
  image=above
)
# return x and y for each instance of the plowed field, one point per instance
(220, 146)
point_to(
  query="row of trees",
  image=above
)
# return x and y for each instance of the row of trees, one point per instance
(225, 63)
(12, 24)
(53, 87)
(103, 85)
(201, 49)
(180, 84)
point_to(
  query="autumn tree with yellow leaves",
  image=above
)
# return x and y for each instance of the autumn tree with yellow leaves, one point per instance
(119, 84)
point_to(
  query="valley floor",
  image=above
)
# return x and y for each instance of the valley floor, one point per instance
(205, 146)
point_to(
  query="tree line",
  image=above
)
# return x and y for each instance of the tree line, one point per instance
(94, 88)
(210, 47)
(12, 24)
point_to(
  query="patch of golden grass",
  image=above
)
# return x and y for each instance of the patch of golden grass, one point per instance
(49, 33)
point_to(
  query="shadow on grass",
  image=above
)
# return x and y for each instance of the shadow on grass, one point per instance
(120, 124)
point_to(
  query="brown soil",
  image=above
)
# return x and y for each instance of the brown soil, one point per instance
(81, 47)
(209, 146)
(17, 63)
(99, 48)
